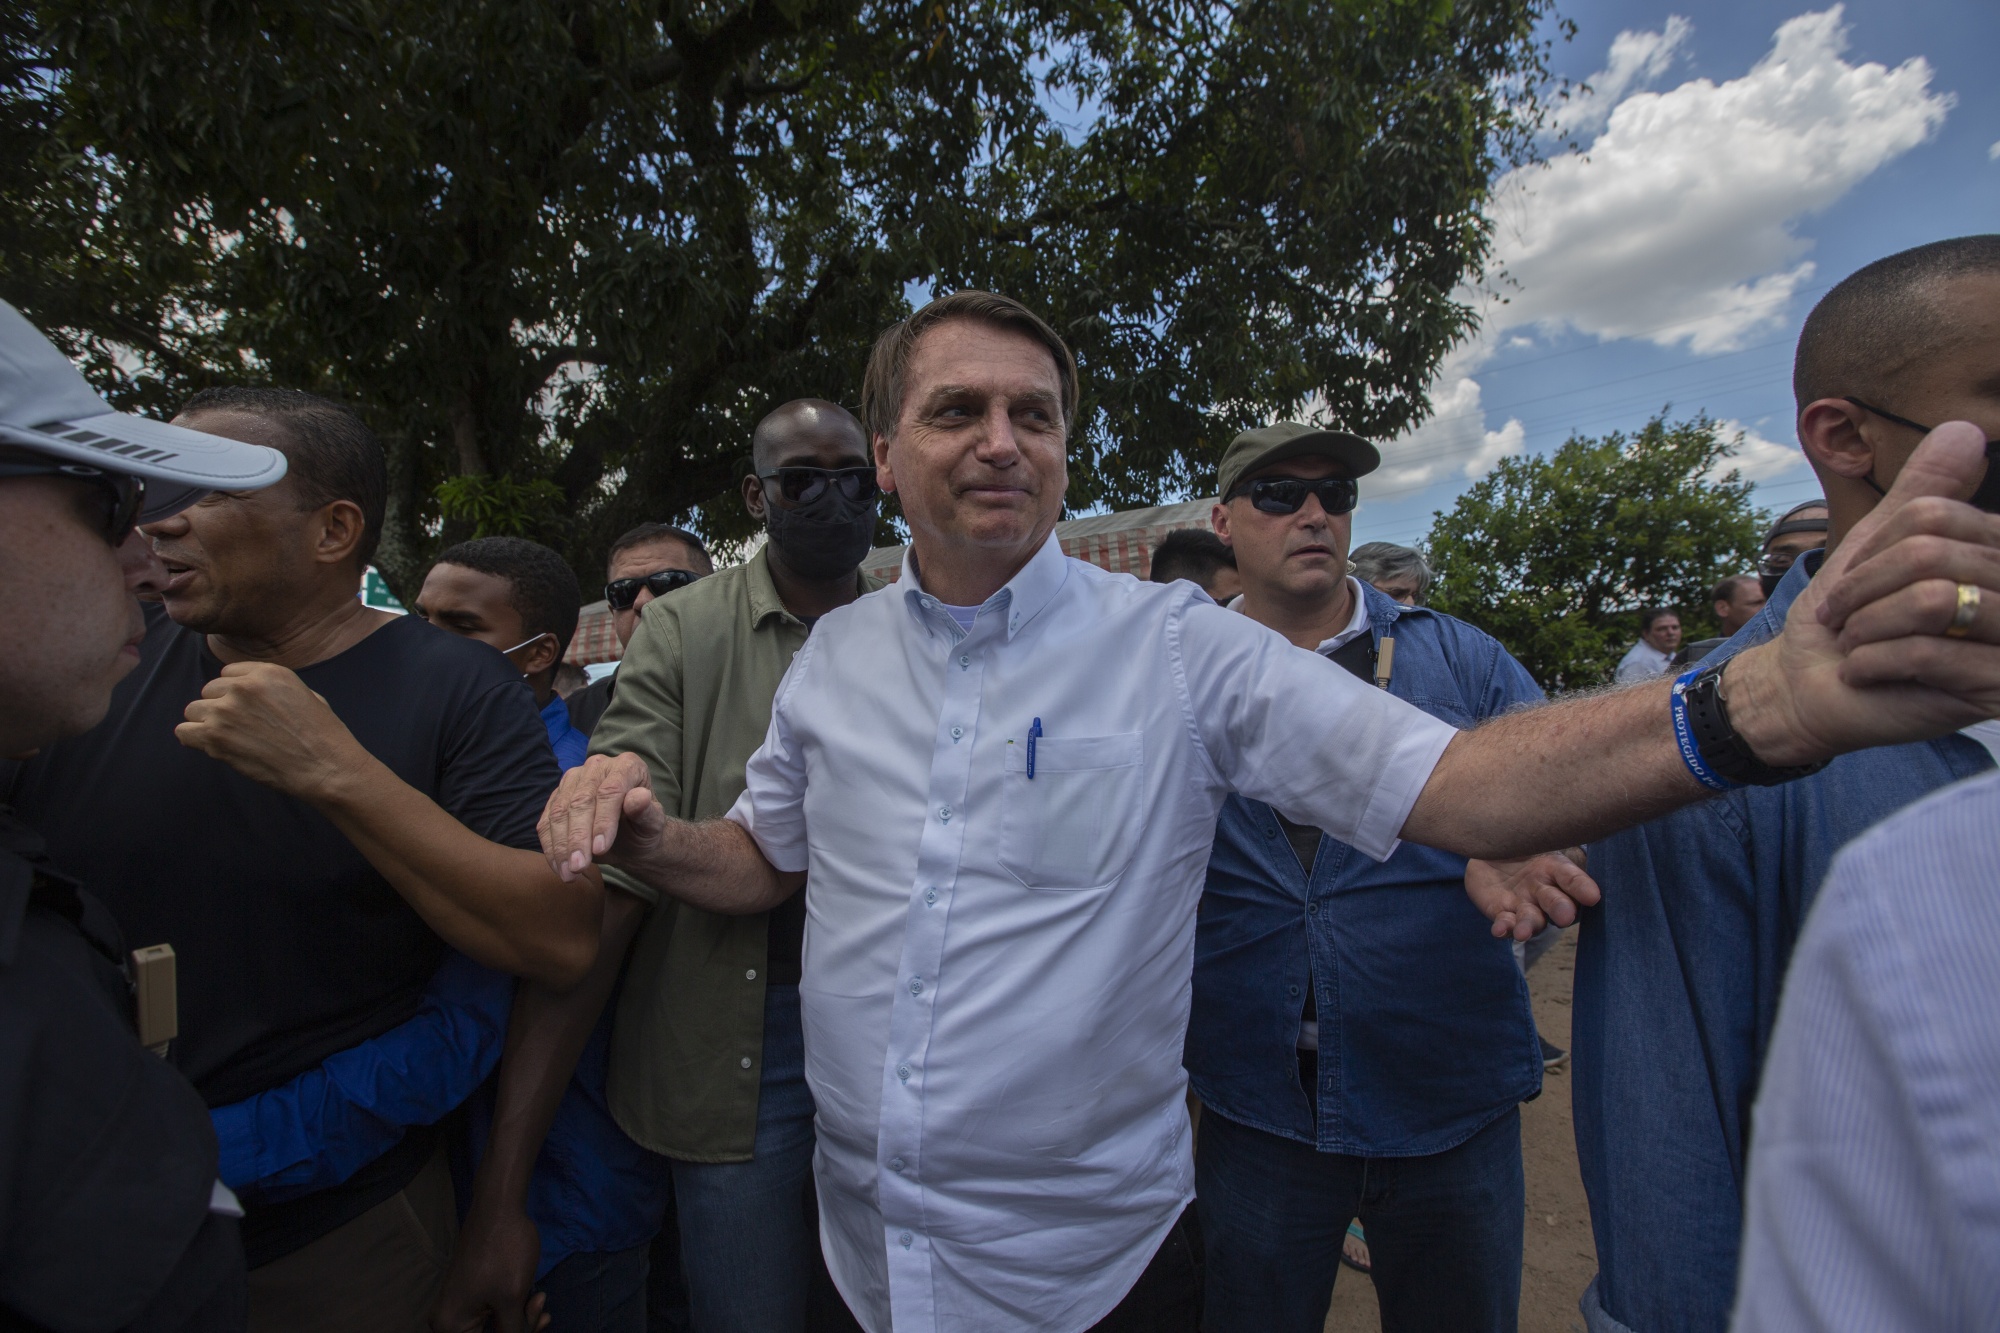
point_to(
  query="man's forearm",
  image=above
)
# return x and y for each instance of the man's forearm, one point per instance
(714, 865)
(1555, 776)
(501, 905)
(545, 1037)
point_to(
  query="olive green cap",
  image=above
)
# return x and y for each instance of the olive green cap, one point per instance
(1257, 449)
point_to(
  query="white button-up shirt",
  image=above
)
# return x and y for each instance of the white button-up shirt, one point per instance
(1005, 833)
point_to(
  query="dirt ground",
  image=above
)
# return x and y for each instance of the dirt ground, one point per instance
(1560, 1258)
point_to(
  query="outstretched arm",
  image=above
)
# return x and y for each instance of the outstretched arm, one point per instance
(493, 1263)
(498, 904)
(1863, 660)
(605, 811)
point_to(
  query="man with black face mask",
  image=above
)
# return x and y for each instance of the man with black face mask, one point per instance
(707, 1053)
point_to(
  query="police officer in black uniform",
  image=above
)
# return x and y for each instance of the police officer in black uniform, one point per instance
(111, 1216)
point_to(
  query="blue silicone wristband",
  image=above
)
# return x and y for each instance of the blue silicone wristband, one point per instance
(1684, 738)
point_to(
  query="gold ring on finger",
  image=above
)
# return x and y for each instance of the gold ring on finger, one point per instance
(1966, 613)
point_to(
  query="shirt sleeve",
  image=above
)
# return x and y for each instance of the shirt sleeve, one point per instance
(497, 767)
(1287, 727)
(319, 1129)
(1872, 1186)
(644, 718)
(772, 807)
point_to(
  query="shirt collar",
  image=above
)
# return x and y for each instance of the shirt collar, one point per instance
(764, 600)
(554, 711)
(22, 855)
(1357, 624)
(1023, 598)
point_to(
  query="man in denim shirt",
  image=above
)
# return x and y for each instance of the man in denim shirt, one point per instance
(1359, 1039)
(1678, 972)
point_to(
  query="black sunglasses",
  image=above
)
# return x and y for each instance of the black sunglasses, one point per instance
(803, 485)
(1774, 564)
(1287, 495)
(120, 495)
(621, 593)
(1992, 446)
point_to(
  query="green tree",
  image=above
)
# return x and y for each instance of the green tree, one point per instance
(587, 242)
(1554, 554)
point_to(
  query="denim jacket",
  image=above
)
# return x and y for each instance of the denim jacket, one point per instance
(1677, 980)
(1425, 1035)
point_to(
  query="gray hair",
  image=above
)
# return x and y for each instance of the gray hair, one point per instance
(1386, 562)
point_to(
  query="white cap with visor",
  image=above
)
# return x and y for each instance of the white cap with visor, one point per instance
(46, 405)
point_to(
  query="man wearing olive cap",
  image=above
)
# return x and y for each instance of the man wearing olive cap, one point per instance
(110, 1211)
(1359, 1040)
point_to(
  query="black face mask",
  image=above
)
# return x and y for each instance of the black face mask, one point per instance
(824, 538)
(1987, 497)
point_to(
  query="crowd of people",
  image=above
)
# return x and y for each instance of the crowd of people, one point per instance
(846, 958)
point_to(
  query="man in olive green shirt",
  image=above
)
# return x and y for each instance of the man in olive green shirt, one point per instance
(707, 1054)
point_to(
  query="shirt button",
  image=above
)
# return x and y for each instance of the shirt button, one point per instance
(750, 975)
(746, 1062)
(903, 1073)
(930, 895)
(906, 1238)
(1292, 991)
(916, 985)
(957, 733)
(1312, 909)
(964, 660)
(944, 814)
(895, 1164)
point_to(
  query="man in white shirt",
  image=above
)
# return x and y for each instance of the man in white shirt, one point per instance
(1004, 774)
(1659, 636)
(1874, 1194)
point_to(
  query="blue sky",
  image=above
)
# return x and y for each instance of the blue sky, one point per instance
(1738, 158)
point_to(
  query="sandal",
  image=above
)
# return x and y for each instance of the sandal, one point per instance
(1354, 1249)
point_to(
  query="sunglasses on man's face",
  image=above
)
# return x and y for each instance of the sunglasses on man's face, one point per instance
(1287, 495)
(803, 485)
(116, 497)
(621, 593)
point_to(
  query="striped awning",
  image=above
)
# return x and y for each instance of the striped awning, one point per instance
(596, 637)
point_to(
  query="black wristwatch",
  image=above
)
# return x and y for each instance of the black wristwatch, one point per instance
(1722, 748)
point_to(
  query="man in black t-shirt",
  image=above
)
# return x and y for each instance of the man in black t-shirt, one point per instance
(110, 1213)
(301, 933)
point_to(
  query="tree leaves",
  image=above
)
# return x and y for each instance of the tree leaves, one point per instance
(1553, 555)
(589, 243)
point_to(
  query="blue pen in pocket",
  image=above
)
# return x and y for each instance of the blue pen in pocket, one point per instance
(1034, 734)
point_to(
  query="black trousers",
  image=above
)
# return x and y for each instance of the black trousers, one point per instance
(1167, 1296)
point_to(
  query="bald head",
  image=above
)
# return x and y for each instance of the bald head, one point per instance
(1878, 323)
(809, 432)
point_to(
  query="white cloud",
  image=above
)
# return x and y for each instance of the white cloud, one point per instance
(1757, 458)
(1453, 440)
(1637, 59)
(1993, 153)
(1676, 224)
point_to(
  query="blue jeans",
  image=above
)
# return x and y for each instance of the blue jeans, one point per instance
(748, 1235)
(1444, 1231)
(598, 1293)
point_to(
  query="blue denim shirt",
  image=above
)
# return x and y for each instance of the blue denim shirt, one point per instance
(1677, 982)
(1425, 1034)
(593, 1189)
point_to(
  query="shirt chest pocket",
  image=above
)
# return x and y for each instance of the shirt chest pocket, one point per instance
(1076, 823)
